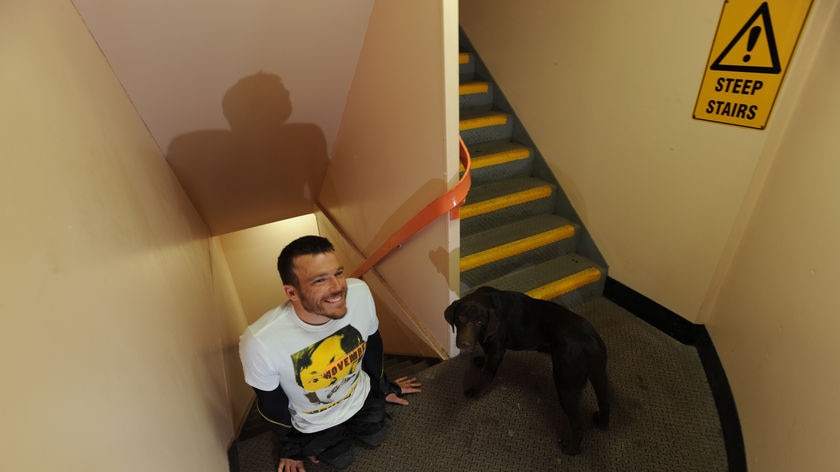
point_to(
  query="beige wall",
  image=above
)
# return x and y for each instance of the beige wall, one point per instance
(233, 320)
(397, 150)
(252, 257)
(112, 356)
(775, 325)
(607, 91)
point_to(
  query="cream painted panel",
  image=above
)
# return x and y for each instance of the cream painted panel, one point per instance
(395, 149)
(775, 325)
(112, 357)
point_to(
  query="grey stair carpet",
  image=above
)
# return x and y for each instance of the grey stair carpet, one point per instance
(663, 414)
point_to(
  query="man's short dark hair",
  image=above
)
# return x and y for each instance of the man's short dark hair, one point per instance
(306, 245)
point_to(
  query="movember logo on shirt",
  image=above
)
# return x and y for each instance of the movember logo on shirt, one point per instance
(330, 361)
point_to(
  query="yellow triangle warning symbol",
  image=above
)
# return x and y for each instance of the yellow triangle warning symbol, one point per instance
(753, 49)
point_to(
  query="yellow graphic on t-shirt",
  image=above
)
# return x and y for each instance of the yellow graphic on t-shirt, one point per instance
(328, 361)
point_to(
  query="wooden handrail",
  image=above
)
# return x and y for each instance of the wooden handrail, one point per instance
(450, 202)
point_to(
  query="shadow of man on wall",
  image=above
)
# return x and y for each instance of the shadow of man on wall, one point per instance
(259, 171)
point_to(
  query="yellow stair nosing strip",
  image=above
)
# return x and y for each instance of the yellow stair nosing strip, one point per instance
(524, 196)
(501, 157)
(494, 119)
(463, 58)
(566, 284)
(473, 88)
(516, 247)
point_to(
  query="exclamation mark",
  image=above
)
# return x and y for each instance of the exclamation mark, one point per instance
(754, 32)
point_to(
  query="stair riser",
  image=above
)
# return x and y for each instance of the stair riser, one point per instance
(466, 71)
(477, 100)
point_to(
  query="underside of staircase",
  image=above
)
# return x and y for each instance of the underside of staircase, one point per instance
(518, 230)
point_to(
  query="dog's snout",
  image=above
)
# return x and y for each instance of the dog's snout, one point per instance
(464, 344)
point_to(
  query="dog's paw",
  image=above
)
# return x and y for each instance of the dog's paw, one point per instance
(601, 420)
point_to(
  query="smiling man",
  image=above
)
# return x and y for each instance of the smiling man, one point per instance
(315, 362)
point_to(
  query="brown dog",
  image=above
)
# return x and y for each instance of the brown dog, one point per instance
(500, 320)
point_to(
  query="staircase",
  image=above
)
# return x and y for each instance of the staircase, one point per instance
(397, 366)
(518, 230)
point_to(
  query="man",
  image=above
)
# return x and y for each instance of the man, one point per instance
(315, 362)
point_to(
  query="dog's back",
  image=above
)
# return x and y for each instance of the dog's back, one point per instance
(544, 322)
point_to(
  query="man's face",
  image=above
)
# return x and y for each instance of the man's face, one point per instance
(322, 288)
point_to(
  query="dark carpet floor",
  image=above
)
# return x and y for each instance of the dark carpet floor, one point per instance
(663, 414)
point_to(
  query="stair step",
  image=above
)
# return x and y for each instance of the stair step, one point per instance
(499, 195)
(475, 94)
(489, 254)
(466, 66)
(568, 279)
(493, 153)
(480, 125)
(496, 160)
(483, 119)
(473, 87)
(513, 239)
(397, 366)
(496, 203)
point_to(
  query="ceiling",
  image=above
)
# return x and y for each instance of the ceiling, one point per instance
(244, 98)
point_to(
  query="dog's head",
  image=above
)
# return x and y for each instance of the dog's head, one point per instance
(473, 318)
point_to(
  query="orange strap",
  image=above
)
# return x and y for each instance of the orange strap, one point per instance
(450, 202)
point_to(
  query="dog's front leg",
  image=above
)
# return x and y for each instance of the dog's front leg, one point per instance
(490, 364)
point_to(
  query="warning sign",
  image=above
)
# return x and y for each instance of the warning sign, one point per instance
(750, 54)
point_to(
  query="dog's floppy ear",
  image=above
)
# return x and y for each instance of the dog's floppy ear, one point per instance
(449, 313)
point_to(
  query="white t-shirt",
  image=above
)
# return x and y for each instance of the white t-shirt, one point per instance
(318, 367)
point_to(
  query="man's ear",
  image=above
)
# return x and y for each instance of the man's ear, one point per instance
(291, 292)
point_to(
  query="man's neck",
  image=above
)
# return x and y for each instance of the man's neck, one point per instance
(312, 318)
